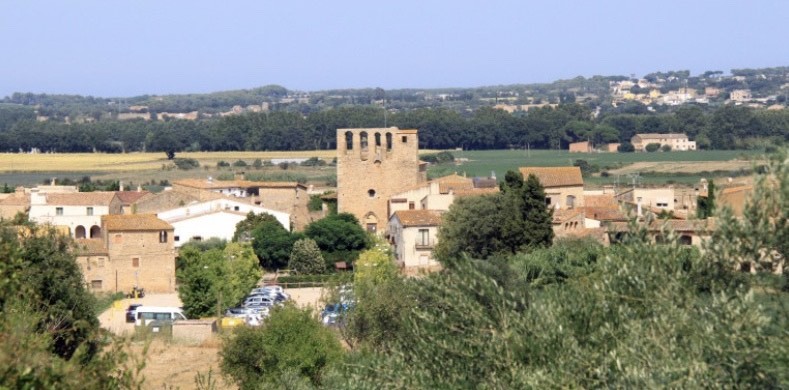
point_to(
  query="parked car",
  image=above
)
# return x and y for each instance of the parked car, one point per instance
(332, 314)
(131, 312)
(258, 300)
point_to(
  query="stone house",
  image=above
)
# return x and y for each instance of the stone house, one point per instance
(413, 234)
(288, 197)
(129, 198)
(372, 166)
(678, 142)
(133, 250)
(16, 202)
(80, 212)
(213, 219)
(581, 147)
(564, 186)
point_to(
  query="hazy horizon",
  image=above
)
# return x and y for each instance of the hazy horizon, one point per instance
(93, 48)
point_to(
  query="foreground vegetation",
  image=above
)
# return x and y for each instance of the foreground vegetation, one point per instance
(573, 315)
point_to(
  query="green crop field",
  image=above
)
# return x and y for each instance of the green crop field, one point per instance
(653, 168)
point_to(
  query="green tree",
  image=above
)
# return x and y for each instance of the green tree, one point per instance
(273, 244)
(290, 343)
(536, 215)
(652, 147)
(626, 147)
(213, 279)
(340, 237)
(306, 258)
(705, 205)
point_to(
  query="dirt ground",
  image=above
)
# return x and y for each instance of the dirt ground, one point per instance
(683, 166)
(173, 365)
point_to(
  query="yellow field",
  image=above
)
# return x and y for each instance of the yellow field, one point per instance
(101, 162)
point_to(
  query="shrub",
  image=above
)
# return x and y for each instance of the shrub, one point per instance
(626, 147)
(313, 162)
(240, 163)
(652, 147)
(186, 163)
(290, 346)
(438, 158)
(665, 148)
(306, 258)
(257, 164)
(222, 164)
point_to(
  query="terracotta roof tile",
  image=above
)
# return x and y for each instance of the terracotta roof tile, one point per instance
(445, 187)
(87, 247)
(98, 198)
(661, 136)
(604, 214)
(16, 199)
(418, 217)
(603, 201)
(476, 191)
(219, 184)
(555, 176)
(129, 197)
(134, 222)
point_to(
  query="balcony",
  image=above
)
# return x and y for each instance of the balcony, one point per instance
(425, 245)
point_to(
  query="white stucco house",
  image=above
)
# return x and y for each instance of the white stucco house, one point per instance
(213, 219)
(80, 212)
(413, 233)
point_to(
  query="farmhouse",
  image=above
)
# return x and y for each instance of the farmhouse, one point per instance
(564, 186)
(80, 212)
(674, 141)
(413, 234)
(213, 219)
(132, 250)
(581, 147)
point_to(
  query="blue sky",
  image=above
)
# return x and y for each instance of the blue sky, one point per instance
(127, 48)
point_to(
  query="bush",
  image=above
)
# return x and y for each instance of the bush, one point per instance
(257, 164)
(313, 162)
(652, 147)
(240, 163)
(222, 164)
(626, 147)
(291, 345)
(305, 258)
(186, 163)
(438, 158)
(665, 148)
(315, 203)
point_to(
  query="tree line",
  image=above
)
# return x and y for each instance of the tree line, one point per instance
(727, 127)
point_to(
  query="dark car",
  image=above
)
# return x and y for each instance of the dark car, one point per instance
(131, 312)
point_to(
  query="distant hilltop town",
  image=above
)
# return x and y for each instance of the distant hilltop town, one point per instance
(758, 88)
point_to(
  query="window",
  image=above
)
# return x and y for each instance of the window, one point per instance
(58, 210)
(405, 139)
(348, 140)
(662, 204)
(378, 139)
(371, 193)
(101, 262)
(570, 201)
(95, 284)
(177, 238)
(163, 236)
(118, 238)
(371, 227)
(135, 262)
(388, 142)
(411, 205)
(423, 237)
(548, 201)
(89, 211)
(236, 208)
(363, 139)
(197, 238)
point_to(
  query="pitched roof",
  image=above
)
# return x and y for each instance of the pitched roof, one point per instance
(16, 199)
(129, 197)
(677, 225)
(418, 217)
(98, 198)
(602, 201)
(661, 136)
(90, 246)
(445, 187)
(476, 191)
(604, 214)
(555, 176)
(219, 184)
(731, 190)
(134, 222)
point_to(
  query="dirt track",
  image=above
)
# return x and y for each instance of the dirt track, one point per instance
(174, 365)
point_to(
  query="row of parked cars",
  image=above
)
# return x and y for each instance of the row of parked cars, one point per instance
(256, 306)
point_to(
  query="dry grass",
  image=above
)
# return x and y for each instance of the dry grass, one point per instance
(103, 162)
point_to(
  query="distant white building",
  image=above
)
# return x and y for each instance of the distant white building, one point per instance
(213, 219)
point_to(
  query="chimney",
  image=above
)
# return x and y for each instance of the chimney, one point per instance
(37, 198)
(120, 185)
(638, 206)
(53, 181)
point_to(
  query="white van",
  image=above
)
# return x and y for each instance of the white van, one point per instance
(148, 314)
